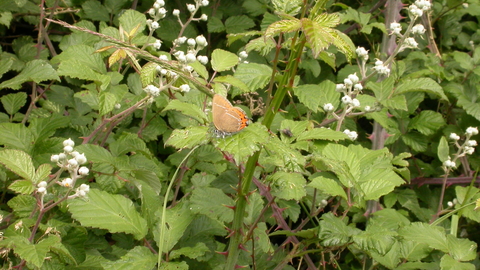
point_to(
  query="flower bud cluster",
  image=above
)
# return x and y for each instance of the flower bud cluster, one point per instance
(70, 161)
(466, 148)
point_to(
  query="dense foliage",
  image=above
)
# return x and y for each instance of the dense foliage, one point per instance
(360, 153)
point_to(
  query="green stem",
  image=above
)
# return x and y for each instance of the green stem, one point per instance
(161, 236)
(286, 83)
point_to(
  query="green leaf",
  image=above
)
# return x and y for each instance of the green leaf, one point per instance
(235, 82)
(448, 262)
(89, 97)
(200, 249)
(255, 76)
(334, 231)
(103, 210)
(95, 153)
(284, 26)
(421, 84)
(382, 89)
(287, 186)
(22, 186)
(14, 102)
(188, 109)
(96, 11)
(18, 162)
(138, 257)
(223, 60)
(131, 20)
(397, 102)
(213, 203)
(322, 134)
(313, 96)
(262, 45)
(433, 236)
(42, 173)
(215, 25)
(36, 70)
(281, 155)
(375, 239)
(461, 249)
(5, 19)
(416, 141)
(443, 150)
(200, 69)
(35, 253)
(106, 103)
(427, 122)
(328, 186)
(188, 137)
(238, 24)
(244, 143)
(148, 73)
(22, 205)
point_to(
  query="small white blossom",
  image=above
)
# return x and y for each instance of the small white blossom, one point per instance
(396, 28)
(156, 6)
(62, 156)
(328, 107)
(205, 3)
(379, 62)
(181, 40)
(162, 11)
(351, 134)
(164, 72)
(471, 143)
(362, 53)
(201, 40)
(190, 57)
(42, 190)
(54, 158)
(67, 182)
(355, 103)
(160, 2)
(202, 59)
(368, 108)
(410, 43)
(472, 131)
(348, 83)
(155, 25)
(83, 170)
(204, 17)
(358, 87)
(354, 78)
(469, 150)
(118, 106)
(42, 184)
(454, 136)
(68, 149)
(191, 42)
(346, 99)
(418, 29)
(81, 159)
(188, 68)
(176, 12)
(450, 204)
(465, 5)
(185, 88)
(243, 54)
(163, 57)
(83, 189)
(423, 4)
(182, 58)
(151, 12)
(414, 11)
(74, 153)
(72, 162)
(340, 87)
(152, 90)
(191, 7)
(69, 142)
(449, 164)
(157, 44)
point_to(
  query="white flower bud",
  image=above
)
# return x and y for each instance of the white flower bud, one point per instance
(83, 170)
(348, 83)
(160, 2)
(155, 25)
(81, 159)
(469, 150)
(205, 3)
(418, 29)
(368, 108)
(62, 156)
(204, 17)
(346, 99)
(355, 102)
(42, 184)
(449, 164)
(118, 106)
(151, 12)
(185, 88)
(72, 162)
(163, 57)
(190, 58)
(201, 41)
(176, 12)
(353, 78)
(202, 59)
(410, 43)
(340, 87)
(54, 158)
(69, 142)
(454, 136)
(328, 107)
(162, 11)
(191, 7)
(67, 182)
(243, 54)
(472, 143)
(181, 40)
(191, 42)
(68, 149)
(42, 190)
(358, 87)
(472, 131)
(396, 28)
